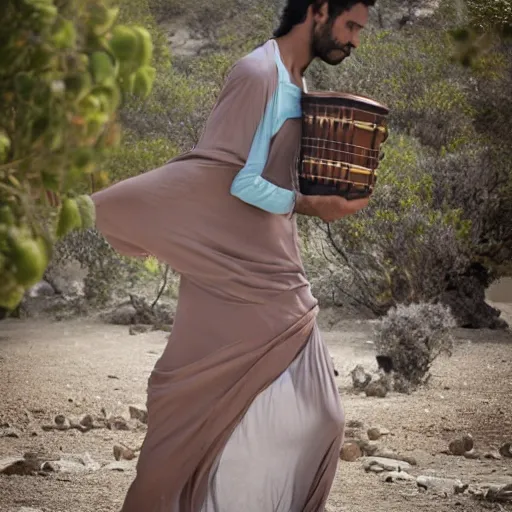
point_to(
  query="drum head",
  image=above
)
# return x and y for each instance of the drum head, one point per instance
(343, 99)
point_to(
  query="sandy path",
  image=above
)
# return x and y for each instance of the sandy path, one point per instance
(81, 366)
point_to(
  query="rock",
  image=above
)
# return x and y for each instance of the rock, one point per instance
(375, 433)
(376, 389)
(390, 454)
(122, 452)
(87, 421)
(397, 476)
(461, 445)
(122, 465)
(89, 462)
(21, 466)
(68, 278)
(11, 465)
(123, 315)
(182, 41)
(63, 466)
(360, 377)
(468, 441)
(10, 432)
(444, 485)
(369, 448)
(41, 289)
(492, 455)
(117, 423)
(61, 422)
(386, 464)
(352, 433)
(71, 464)
(138, 413)
(456, 447)
(350, 452)
(506, 450)
(499, 494)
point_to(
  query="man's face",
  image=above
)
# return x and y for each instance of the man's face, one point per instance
(333, 39)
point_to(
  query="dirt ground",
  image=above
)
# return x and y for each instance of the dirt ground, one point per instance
(81, 366)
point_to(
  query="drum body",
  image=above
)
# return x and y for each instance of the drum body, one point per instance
(341, 143)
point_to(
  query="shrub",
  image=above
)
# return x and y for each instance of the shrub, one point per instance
(412, 337)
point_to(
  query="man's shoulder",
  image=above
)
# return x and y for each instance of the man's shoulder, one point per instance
(258, 63)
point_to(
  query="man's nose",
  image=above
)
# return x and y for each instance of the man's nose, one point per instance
(354, 41)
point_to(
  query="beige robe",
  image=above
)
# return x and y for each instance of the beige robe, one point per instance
(244, 413)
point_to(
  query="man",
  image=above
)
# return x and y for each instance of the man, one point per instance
(244, 413)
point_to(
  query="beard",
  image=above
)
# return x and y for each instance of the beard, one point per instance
(326, 48)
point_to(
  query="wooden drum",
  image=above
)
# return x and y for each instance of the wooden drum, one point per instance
(341, 143)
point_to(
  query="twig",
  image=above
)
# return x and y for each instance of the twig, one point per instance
(162, 288)
(9, 190)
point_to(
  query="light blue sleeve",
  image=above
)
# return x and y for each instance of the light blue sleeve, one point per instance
(249, 185)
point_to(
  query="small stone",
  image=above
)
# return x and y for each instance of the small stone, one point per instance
(390, 454)
(123, 315)
(350, 452)
(501, 493)
(457, 447)
(41, 289)
(10, 432)
(473, 455)
(506, 450)
(445, 485)
(387, 464)
(369, 447)
(138, 413)
(122, 465)
(61, 422)
(87, 421)
(375, 433)
(492, 455)
(17, 466)
(123, 453)
(117, 423)
(376, 389)
(397, 476)
(468, 442)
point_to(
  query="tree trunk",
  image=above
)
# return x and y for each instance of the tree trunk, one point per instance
(465, 295)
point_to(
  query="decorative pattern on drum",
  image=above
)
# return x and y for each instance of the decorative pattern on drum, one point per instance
(342, 135)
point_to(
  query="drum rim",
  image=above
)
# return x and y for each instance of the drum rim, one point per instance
(359, 99)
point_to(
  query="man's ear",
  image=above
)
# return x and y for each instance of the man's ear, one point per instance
(320, 10)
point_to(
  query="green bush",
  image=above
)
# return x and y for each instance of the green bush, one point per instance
(66, 68)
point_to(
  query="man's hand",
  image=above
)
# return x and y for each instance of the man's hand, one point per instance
(328, 208)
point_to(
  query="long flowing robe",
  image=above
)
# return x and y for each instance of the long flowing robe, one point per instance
(243, 410)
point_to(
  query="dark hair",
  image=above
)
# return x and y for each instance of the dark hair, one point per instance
(295, 11)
